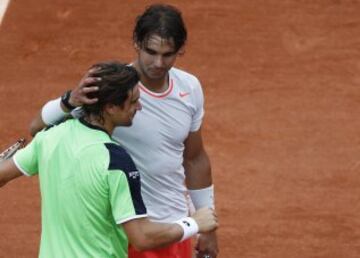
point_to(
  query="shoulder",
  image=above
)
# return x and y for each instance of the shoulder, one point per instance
(53, 134)
(185, 79)
(92, 155)
(185, 82)
(105, 157)
(62, 126)
(119, 158)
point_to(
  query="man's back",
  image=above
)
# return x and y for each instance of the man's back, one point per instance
(85, 193)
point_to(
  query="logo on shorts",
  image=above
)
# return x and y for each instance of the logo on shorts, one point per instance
(134, 174)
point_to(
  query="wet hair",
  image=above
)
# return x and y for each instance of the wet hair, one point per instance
(162, 20)
(117, 79)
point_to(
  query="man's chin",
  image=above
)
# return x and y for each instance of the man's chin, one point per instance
(126, 124)
(156, 76)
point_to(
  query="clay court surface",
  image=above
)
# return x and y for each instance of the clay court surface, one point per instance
(282, 128)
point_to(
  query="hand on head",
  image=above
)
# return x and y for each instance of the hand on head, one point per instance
(86, 85)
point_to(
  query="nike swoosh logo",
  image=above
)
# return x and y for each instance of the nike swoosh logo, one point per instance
(183, 94)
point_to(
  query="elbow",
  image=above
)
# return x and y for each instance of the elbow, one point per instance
(141, 246)
(2, 182)
(145, 242)
(33, 128)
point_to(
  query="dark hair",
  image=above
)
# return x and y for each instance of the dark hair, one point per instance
(162, 20)
(117, 80)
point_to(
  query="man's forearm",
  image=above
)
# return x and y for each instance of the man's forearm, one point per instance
(199, 181)
(37, 124)
(158, 235)
(198, 171)
(51, 113)
(8, 171)
(54, 111)
(144, 234)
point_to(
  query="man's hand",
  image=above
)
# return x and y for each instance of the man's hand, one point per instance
(87, 84)
(207, 246)
(206, 219)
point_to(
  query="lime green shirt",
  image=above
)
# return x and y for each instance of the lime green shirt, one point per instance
(89, 186)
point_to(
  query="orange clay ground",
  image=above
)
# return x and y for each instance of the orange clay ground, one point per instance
(282, 127)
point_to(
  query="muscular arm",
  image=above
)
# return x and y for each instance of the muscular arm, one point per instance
(144, 234)
(37, 124)
(198, 175)
(78, 97)
(196, 162)
(8, 172)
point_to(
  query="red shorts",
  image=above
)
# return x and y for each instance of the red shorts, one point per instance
(177, 250)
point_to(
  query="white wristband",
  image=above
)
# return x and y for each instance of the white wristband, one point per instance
(52, 113)
(189, 226)
(203, 197)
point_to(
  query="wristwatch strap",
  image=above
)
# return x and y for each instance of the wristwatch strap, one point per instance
(65, 100)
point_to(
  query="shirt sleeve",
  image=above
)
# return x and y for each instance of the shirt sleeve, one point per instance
(124, 186)
(122, 203)
(26, 159)
(199, 107)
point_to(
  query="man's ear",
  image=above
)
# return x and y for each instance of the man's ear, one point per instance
(111, 108)
(181, 51)
(136, 46)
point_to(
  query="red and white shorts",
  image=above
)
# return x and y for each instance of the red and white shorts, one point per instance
(177, 250)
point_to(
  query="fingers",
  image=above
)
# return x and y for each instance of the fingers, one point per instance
(206, 252)
(88, 81)
(89, 89)
(214, 218)
(206, 219)
(82, 98)
(207, 246)
(93, 70)
(91, 73)
(79, 95)
(201, 254)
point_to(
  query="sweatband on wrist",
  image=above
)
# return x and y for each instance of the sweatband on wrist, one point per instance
(203, 197)
(189, 226)
(52, 112)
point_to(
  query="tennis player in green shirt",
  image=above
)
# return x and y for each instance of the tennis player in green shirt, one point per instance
(90, 187)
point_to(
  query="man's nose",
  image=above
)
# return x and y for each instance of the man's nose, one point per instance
(159, 62)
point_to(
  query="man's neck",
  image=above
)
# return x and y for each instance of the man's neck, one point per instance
(102, 123)
(158, 86)
(155, 85)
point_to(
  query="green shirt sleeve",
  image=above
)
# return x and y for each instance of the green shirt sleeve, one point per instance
(124, 186)
(120, 197)
(26, 159)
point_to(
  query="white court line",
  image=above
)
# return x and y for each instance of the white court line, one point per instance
(3, 6)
